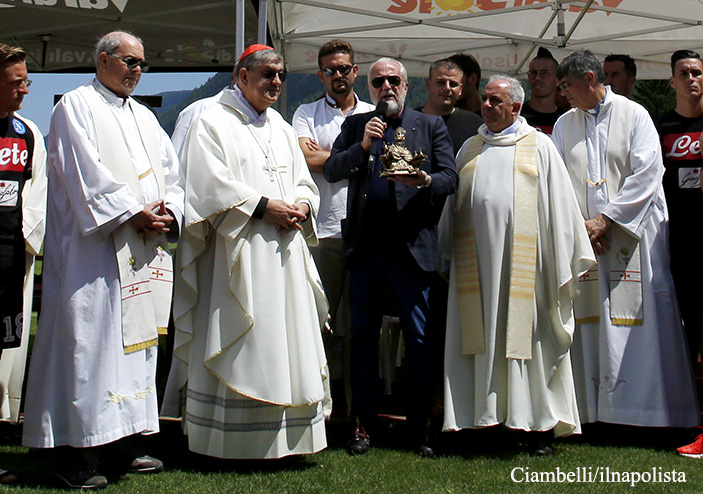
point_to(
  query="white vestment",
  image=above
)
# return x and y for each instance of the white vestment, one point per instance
(486, 389)
(249, 304)
(83, 390)
(177, 376)
(186, 118)
(12, 363)
(630, 374)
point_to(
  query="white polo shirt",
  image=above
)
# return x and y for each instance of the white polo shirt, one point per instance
(321, 121)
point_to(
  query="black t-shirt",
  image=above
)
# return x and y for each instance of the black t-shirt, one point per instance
(683, 161)
(16, 149)
(542, 121)
(461, 124)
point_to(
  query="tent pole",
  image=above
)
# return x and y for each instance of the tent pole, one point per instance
(263, 14)
(239, 30)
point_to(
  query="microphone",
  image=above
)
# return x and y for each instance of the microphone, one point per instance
(380, 112)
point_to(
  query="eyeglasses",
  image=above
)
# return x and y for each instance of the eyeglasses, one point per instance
(564, 85)
(132, 62)
(342, 69)
(271, 74)
(393, 80)
(543, 74)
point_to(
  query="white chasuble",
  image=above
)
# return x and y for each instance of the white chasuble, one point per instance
(628, 374)
(249, 304)
(488, 388)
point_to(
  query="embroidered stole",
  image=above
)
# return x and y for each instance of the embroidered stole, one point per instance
(144, 262)
(625, 276)
(523, 257)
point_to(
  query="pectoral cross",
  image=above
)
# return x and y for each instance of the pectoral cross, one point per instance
(270, 169)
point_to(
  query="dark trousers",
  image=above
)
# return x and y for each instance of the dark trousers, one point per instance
(375, 276)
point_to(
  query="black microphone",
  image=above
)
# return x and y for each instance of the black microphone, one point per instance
(380, 112)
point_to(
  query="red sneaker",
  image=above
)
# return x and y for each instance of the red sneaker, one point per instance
(693, 450)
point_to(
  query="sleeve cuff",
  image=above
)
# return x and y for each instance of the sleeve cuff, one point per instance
(260, 208)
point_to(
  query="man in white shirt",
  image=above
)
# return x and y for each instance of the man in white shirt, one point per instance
(317, 125)
(113, 205)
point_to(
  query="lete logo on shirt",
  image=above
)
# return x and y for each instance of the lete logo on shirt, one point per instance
(682, 146)
(13, 154)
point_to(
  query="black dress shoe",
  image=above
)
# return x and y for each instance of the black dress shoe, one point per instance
(541, 449)
(360, 443)
(425, 450)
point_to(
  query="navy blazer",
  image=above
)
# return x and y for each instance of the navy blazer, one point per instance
(418, 209)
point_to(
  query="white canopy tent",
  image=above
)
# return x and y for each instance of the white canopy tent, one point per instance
(502, 34)
(206, 35)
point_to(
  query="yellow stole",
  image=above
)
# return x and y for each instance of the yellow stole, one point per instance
(523, 256)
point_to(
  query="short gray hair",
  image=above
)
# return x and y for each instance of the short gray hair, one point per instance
(251, 62)
(111, 42)
(517, 93)
(580, 63)
(403, 72)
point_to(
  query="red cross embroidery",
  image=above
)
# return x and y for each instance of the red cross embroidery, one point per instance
(133, 289)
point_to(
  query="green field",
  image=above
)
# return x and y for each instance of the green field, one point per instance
(471, 462)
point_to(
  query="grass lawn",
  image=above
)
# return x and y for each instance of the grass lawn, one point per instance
(470, 461)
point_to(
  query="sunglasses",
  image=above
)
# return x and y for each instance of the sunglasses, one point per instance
(132, 62)
(271, 74)
(342, 69)
(393, 80)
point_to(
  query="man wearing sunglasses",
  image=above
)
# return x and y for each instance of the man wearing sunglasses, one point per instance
(390, 241)
(114, 203)
(249, 306)
(22, 225)
(317, 125)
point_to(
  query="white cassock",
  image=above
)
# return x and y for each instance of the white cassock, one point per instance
(13, 361)
(486, 389)
(629, 374)
(249, 304)
(83, 389)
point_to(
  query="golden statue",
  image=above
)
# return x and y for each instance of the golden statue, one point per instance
(397, 159)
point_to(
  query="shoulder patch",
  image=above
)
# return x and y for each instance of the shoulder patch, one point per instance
(18, 126)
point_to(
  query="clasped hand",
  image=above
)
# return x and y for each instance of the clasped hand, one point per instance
(153, 220)
(286, 217)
